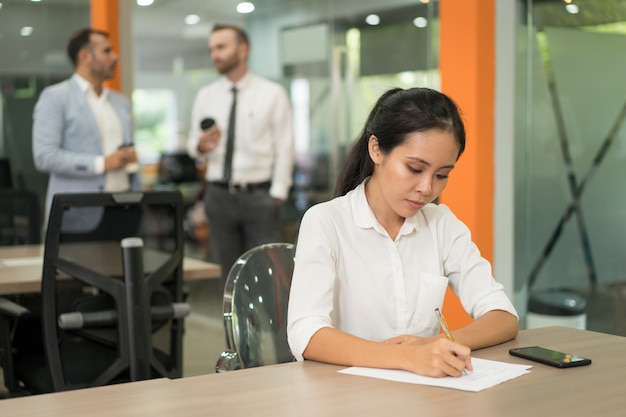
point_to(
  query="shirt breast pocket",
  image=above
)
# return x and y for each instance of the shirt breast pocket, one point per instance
(430, 295)
(256, 125)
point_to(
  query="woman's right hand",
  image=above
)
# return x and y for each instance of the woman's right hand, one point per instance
(439, 358)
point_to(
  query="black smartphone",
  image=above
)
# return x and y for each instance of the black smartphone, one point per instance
(550, 357)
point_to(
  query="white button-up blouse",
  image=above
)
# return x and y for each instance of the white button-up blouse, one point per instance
(350, 275)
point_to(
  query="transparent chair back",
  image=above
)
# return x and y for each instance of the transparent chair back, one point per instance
(255, 308)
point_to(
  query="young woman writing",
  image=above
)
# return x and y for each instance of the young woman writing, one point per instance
(373, 264)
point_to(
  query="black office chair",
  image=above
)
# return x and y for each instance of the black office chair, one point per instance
(256, 296)
(20, 218)
(111, 308)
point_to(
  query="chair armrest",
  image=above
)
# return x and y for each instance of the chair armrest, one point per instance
(9, 308)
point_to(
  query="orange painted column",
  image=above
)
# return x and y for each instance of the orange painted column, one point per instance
(467, 66)
(105, 16)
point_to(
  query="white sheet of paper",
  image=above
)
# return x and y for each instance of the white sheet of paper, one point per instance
(486, 374)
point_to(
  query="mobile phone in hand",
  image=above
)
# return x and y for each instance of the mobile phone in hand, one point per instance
(550, 357)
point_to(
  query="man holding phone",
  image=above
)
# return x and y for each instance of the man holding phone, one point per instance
(241, 127)
(81, 130)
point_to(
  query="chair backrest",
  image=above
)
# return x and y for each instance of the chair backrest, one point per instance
(126, 327)
(20, 221)
(256, 296)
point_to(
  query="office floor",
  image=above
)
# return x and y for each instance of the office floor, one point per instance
(204, 329)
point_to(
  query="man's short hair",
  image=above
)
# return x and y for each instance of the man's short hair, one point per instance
(242, 36)
(79, 40)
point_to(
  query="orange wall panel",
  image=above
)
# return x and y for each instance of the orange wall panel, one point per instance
(105, 16)
(467, 66)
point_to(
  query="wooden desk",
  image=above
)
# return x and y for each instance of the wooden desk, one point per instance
(20, 269)
(315, 389)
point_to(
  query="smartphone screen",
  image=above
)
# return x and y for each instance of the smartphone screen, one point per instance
(550, 357)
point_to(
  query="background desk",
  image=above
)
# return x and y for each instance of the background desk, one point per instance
(20, 269)
(315, 389)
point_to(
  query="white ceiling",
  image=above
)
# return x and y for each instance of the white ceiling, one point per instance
(165, 18)
(159, 31)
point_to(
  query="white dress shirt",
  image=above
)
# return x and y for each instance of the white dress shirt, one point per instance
(111, 134)
(350, 275)
(264, 142)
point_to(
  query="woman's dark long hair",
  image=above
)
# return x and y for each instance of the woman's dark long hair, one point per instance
(396, 114)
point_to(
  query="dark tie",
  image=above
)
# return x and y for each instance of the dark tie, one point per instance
(230, 138)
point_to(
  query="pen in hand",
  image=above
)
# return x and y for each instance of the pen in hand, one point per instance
(446, 330)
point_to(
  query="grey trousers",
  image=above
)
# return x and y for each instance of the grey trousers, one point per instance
(239, 222)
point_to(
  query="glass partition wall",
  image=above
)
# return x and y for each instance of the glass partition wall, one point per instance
(571, 155)
(334, 58)
(334, 81)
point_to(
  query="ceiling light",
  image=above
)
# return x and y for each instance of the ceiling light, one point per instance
(26, 31)
(372, 19)
(192, 19)
(245, 7)
(145, 2)
(420, 22)
(572, 8)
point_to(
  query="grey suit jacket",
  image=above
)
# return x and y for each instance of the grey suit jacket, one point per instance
(66, 140)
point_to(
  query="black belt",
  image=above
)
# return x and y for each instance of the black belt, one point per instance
(242, 187)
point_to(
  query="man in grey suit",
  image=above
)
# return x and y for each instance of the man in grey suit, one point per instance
(81, 130)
